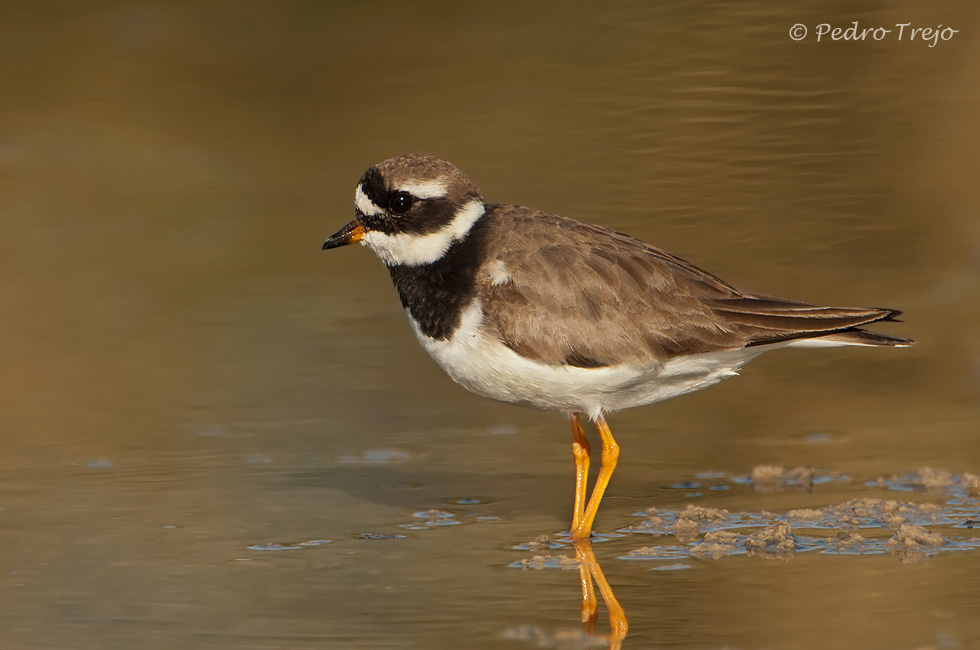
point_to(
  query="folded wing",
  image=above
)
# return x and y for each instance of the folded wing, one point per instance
(562, 292)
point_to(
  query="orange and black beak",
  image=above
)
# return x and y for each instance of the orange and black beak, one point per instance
(349, 234)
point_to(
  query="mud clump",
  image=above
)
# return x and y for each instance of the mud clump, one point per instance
(540, 544)
(774, 542)
(686, 530)
(848, 541)
(914, 543)
(919, 536)
(654, 524)
(806, 515)
(547, 562)
(656, 553)
(925, 478)
(718, 544)
(859, 526)
(768, 479)
(700, 513)
(683, 522)
(883, 513)
(929, 479)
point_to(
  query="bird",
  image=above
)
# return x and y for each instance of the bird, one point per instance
(541, 310)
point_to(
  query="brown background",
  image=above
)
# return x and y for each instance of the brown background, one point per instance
(184, 374)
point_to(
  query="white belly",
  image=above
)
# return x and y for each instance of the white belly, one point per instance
(487, 367)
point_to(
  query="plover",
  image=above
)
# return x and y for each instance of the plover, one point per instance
(544, 311)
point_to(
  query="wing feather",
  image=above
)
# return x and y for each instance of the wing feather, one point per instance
(582, 295)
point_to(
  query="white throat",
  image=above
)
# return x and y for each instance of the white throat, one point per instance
(416, 250)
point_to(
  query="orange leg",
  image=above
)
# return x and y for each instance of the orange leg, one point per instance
(610, 455)
(590, 608)
(589, 568)
(580, 451)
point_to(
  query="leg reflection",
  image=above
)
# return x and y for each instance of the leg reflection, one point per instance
(589, 571)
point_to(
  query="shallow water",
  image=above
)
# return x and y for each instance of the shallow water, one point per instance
(216, 435)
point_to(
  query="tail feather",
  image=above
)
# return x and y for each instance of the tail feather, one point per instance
(765, 320)
(854, 336)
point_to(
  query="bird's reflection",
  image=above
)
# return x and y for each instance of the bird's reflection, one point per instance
(592, 578)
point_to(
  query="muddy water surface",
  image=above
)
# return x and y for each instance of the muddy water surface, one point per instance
(215, 435)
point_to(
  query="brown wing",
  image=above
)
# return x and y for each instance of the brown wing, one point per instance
(560, 291)
(586, 296)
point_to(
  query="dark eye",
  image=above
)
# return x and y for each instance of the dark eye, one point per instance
(400, 203)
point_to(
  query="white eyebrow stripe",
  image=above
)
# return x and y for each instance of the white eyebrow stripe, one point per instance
(426, 189)
(365, 205)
